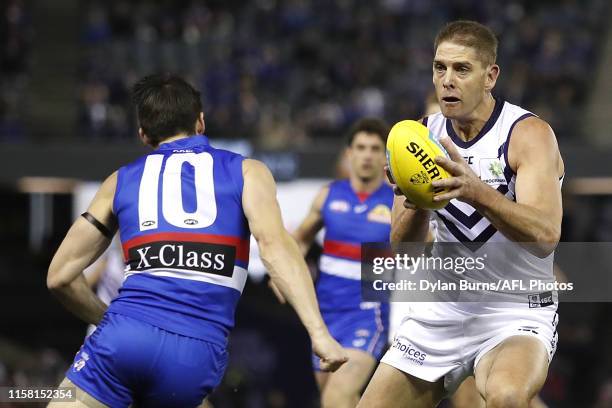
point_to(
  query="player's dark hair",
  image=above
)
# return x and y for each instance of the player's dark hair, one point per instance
(470, 34)
(166, 105)
(374, 126)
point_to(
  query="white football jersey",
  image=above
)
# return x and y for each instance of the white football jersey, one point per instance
(487, 155)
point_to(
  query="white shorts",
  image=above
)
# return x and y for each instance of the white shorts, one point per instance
(448, 340)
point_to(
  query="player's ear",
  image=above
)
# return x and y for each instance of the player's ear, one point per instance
(492, 75)
(200, 125)
(144, 138)
(347, 152)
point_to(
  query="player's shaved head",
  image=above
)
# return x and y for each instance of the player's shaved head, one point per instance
(470, 34)
(166, 105)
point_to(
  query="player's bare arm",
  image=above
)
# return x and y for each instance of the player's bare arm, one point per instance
(83, 244)
(312, 224)
(408, 223)
(534, 156)
(283, 260)
(307, 231)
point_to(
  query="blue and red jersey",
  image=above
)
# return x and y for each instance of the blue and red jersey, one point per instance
(349, 221)
(185, 238)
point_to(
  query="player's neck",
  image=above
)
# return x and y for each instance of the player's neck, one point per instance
(174, 138)
(360, 185)
(468, 128)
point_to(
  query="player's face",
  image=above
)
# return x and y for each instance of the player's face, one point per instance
(461, 79)
(367, 156)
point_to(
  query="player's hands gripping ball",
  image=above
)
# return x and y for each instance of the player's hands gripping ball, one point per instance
(462, 184)
(411, 165)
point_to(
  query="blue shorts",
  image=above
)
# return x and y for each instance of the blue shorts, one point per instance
(127, 361)
(364, 329)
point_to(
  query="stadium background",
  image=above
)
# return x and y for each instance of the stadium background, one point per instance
(281, 81)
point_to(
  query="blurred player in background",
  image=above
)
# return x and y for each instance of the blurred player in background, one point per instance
(509, 345)
(352, 211)
(184, 213)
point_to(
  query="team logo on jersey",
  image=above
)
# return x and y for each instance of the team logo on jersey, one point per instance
(419, 178)
(492, 171)
(361, 208)
(217, 259)
(339, 206)
(380, 213)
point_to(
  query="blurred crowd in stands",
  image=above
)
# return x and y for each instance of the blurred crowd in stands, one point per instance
(15, 37)
(282, 72)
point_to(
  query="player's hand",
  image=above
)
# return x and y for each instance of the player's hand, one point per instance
(407, 203)
(331, 354)
(464, 184)
(277, 292)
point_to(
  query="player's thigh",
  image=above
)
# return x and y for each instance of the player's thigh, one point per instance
(467, 395)
(83, 399)
(350, 379)
(390, 387)
(206, 404)
(516, 369)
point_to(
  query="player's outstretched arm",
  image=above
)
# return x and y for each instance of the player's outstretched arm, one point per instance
(305, 234)
(83, 244)
(284, 261)
(535, 217)
(307, 231)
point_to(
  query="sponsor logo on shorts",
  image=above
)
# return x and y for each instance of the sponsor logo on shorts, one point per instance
(80, 363)
(409, 351)
(529, 329)
(362, 333)
(553, 343)
(540, 299)
(359, 342)
(369, 305)
(217, 259)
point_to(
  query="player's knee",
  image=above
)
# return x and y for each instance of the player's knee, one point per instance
(339, 397)
(506, 395)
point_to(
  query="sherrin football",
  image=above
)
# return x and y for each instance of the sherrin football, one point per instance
(411, 150)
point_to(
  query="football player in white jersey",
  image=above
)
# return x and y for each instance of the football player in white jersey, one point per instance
(521, 204)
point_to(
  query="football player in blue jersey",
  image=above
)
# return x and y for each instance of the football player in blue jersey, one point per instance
(184, 213)
(352, 211)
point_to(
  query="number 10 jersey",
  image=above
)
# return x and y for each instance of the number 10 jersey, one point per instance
(185, 238)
